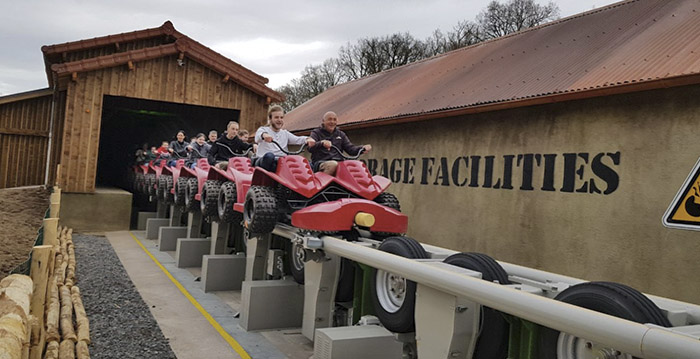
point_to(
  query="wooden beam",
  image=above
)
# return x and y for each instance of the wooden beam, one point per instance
(226, 78)
(74, 76)
(181, 56)
(130, 64)
(23, 132)
(116, 46)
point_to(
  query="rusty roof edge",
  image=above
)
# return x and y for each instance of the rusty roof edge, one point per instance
(166, 29)
(117, 59)
(229, 64)
(615, 89)
(500, 38)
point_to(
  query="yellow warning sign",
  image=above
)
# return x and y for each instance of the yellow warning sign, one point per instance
(684, 211)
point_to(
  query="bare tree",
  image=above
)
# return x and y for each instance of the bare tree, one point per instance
(375, 54)
(515, 15)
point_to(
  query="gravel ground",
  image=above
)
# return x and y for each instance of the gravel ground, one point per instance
(121, 325)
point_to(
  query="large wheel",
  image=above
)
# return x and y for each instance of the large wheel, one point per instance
(210, 196)
(493, 333)
(260, 210)
(180, 191)
(388, 200)
(138, 183)
(295, 257)
(393, 296)
(346, 281)
(610, 298)
(160, 187)
(191, 204)
(150, 184)
(225, 202)
(167, 196)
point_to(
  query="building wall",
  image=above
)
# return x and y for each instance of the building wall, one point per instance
(608, 169)
(24, 140)
(159, 79)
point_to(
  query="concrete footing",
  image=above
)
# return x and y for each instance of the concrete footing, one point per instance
(189, 251)
(376, 343)
(153, 226)
(107, 209)
(223, 272)
(167, 237)
(142, 217)
(271, 304)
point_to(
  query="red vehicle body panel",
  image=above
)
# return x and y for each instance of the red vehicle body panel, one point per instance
(340, 216)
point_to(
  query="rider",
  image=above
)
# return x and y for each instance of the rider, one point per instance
(213, 135)
(324, 158)
(198, 149)
(178, 147)
(227, 146)
(268, 153)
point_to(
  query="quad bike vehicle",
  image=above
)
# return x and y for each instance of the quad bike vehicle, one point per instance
(351, 200)
(166, 180)
(318, 202)
(154, 170)
(214, 204)
(140, 172)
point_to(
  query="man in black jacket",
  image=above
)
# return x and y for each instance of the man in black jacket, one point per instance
(325, 158)
(228, 146)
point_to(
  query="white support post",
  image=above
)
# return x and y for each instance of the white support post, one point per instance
(256, 257)
(320, 285)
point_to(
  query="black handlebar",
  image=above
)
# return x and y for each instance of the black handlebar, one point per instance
(233, 153)
(362, 149)
(303, 147)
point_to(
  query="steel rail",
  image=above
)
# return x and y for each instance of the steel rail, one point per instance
(641, 340)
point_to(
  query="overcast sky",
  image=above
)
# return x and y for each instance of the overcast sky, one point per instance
(276, 39)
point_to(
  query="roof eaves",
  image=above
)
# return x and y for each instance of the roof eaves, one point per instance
(25, 95)
(166, 29)
(114, 59)
(530, 100)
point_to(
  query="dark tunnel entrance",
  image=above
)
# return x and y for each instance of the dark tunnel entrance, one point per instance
(128, 123)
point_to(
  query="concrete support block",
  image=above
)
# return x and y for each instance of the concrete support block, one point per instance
(167, 237)
(143, 216)
(194, 225)
(271, 304)
(256, 257)
(365, 341)
(153, 226)
(189, 251)
(223, 272)
(219, 237)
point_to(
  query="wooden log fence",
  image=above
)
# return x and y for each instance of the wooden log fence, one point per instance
(42, 315)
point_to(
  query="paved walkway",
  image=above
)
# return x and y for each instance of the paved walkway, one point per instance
(198, 324)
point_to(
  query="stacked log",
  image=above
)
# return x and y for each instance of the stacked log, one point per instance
(60, 304)
(15, 322)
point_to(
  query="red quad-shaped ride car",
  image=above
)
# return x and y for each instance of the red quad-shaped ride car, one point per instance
(318, 202)
(217, 190)
(154, 170)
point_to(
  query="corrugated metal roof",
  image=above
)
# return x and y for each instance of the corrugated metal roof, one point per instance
(627, 46)
(181, 43)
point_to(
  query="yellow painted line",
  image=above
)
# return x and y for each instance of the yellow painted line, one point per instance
(228, 338)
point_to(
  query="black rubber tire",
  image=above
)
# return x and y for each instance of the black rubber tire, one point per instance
(180, 191)
(160, 185)
(260, 210)
(494, 328)
(150, 184)
(403, 319)
(346, 281)
(388, 200)
(296, 265)
(610, 298)
(191, 205)
(225, 201)
(209, 199)
(167, 196)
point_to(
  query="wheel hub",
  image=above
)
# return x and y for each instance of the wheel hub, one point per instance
(572, 347)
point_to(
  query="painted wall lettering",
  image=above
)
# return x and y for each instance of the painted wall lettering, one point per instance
(581, 172)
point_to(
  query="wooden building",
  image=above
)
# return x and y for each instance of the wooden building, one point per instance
(108, 95)
(558, 147)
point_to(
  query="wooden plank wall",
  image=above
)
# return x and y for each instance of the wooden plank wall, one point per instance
(24, 138)
(159, 79)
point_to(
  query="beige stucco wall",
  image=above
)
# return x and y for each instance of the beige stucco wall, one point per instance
(595, 236)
